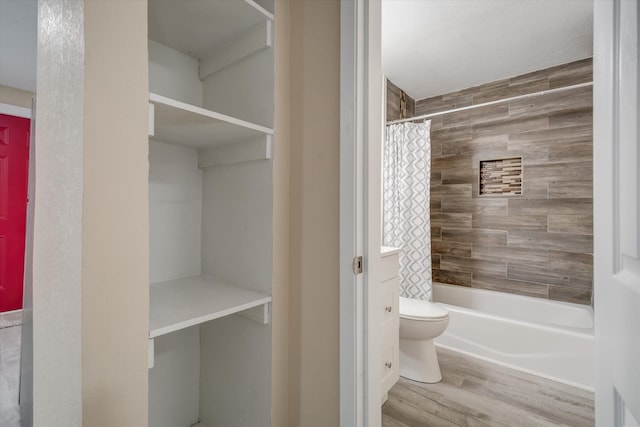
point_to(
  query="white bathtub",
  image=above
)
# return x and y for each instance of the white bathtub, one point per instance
(546, 338)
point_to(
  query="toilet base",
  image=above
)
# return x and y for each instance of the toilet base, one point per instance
(418, 361)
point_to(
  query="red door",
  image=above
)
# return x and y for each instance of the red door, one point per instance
(14, 167)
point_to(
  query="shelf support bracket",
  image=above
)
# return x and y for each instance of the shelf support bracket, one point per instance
(237, 152)
(151, 348)
(260, 314)
(152, 119)
(253, 41)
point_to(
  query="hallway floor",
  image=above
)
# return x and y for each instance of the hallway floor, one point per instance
(481, 394)
(9, 376)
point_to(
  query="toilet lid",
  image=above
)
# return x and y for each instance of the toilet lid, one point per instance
(422, 310)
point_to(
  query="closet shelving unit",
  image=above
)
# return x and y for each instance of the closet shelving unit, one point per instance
(180, 123)
(182, 303)
(185, 302)
(211, 136)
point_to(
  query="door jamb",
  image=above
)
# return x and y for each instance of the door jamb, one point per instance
(362, 121)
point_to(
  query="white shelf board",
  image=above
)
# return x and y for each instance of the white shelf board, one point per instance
(180, 123)
(181, 303)
(195, 27)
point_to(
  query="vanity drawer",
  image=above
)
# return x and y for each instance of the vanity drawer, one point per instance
(389, 373)
(389, 300)
(389, 267)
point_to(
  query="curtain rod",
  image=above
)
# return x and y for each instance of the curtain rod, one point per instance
(485, 104)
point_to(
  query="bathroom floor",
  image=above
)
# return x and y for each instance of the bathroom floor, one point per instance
(478, 393)
(9, 375)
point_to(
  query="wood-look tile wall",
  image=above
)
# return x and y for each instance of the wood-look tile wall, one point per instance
(539, 243)
(394, 94)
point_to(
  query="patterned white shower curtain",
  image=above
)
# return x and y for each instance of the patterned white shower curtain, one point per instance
(406, 220)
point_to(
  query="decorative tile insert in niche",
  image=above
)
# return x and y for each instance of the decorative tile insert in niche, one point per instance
(501, 177)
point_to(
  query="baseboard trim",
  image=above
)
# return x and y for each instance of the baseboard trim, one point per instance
(10, 318)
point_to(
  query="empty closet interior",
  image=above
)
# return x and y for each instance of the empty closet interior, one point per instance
(211, 74)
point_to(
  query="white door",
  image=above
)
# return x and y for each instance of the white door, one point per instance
(361, 123)
(617, 212)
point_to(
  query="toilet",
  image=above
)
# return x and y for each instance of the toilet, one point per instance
(420, 322)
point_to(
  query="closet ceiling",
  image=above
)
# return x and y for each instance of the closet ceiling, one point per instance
(433, 47)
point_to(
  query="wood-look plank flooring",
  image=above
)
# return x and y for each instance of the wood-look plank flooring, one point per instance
(476, 393)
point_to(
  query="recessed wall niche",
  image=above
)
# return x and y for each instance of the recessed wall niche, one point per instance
(501, 177)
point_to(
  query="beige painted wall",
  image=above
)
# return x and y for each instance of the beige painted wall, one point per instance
(314, 225)
(13, 96)
(115, 237)
(281, 203)
(90, 245)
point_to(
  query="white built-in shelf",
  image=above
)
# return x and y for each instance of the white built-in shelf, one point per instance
(182, 303)
(191, 26)
(180, 123)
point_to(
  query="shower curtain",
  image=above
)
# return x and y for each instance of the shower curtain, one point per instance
(406, 219)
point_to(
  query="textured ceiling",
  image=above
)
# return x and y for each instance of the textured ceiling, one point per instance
(433, 47)
(429, 47)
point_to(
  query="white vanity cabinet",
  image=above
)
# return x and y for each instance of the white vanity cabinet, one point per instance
(390, 325)
(211, 77)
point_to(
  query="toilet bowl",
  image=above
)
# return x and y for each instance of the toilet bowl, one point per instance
(420, 323)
